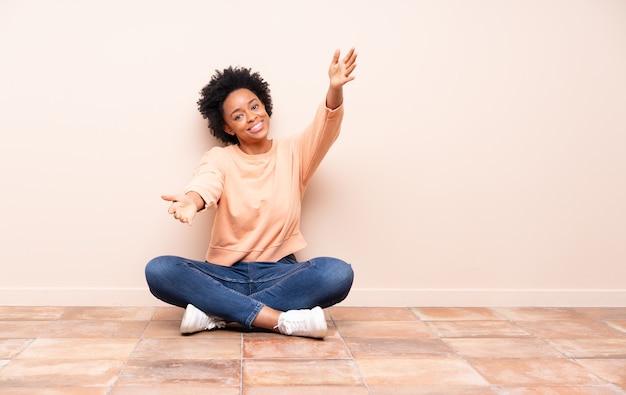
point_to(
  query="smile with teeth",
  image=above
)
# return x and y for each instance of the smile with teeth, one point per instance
(257, 127)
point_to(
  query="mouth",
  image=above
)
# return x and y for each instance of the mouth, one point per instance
(256, 127)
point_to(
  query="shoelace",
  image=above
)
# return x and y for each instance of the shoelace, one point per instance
(291, 326)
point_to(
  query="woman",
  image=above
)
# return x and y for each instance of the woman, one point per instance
(256, 185)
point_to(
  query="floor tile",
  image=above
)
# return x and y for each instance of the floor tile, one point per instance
(582, 328)
(604, 313)
(455, 314)
(10, 348)
(100, 329)
(60, 373)
(370, 314)
(539, 313)
(591, 348)
(182, 389)
(161, 329)
(422, 371)
(117, 313)
(297, 372)
(562, 390)
(612, 370)
(183, 348)
(431, 390)
(34, 313)
(307, 390)
(390, 329)
(398, 348)
(449, 329)
(527, 372)
(294, 348)
(169, 313)
(620, 325)
(22, 329)
(53, 391)
(64, 348)
(503, 348)
(181, 373)
(374, 351)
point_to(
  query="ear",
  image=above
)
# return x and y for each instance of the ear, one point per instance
(228, 130)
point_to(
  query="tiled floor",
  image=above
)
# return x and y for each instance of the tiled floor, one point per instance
(123, 350)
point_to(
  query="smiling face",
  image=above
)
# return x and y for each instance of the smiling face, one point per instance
(246, 118)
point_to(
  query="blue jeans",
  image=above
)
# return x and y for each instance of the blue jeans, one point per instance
(237, 293)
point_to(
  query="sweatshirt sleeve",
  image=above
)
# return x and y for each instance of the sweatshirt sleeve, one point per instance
(315, 141)
(208, 177)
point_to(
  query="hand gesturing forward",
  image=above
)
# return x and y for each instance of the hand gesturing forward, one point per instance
(182, 208)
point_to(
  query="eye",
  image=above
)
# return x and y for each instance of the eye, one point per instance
(255, 107)
(238, 117)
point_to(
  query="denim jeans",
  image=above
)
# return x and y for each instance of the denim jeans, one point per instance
(237, 293)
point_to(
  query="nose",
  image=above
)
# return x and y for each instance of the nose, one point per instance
(250, 116)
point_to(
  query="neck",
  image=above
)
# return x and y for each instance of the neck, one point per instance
(256, 149)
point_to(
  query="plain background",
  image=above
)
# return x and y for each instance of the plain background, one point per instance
(481, 162)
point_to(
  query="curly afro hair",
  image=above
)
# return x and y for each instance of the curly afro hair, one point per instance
(212, 96)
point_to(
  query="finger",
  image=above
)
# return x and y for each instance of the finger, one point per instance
(350, 56)
(185, 220)
(335, 57)
(353, 58)
(350, 69)
(170, 198)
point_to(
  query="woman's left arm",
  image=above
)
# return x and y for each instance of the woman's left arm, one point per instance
(339, 73)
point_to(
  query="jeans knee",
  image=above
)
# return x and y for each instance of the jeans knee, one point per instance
(155, 269)
(348, 275)
(338, 272)
(338, 279)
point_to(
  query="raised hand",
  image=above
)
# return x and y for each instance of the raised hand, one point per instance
(340, 71)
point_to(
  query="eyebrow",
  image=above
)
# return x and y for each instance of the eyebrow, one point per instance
(238, 109)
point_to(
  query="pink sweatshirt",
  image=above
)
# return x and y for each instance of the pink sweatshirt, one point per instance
(258, 197)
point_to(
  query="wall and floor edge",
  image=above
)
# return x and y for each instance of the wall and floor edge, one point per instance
(370, 297)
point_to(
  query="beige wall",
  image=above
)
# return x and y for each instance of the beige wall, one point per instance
(481, 162)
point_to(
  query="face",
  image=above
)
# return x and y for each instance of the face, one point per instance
(245, 117)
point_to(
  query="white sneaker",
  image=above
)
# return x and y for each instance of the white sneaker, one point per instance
(195, 320)
(308, 323)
